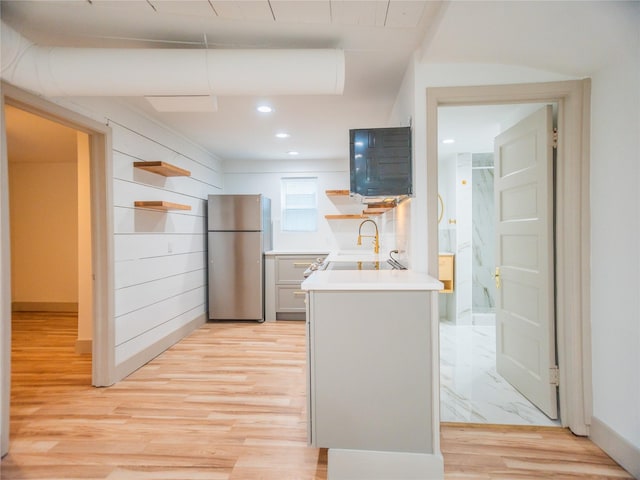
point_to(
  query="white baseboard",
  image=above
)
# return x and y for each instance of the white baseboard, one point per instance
(132, 364)
(371, 465)
(618, 448)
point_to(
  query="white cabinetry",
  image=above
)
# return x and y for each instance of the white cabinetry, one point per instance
(370, 370)
(284, 274)
(373, 373)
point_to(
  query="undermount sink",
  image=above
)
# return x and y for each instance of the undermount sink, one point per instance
(361, 254)
(354, 256)
(359, 265)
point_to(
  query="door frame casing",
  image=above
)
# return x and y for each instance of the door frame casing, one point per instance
(103, 344)
(572, 235)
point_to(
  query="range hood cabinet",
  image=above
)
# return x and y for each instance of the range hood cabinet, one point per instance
(380, 161)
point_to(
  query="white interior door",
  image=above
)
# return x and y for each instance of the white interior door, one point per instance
(525, 320)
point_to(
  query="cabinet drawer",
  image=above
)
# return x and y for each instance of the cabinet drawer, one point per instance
(290, 299)
(290, 269)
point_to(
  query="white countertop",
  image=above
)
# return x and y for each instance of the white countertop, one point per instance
(301, 252)
(370, 280)
(355, 256)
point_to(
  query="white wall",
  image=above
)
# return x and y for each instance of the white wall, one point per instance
(265, 178)
(615, 223)
(405, 108)
(159, 257)
(615, 241)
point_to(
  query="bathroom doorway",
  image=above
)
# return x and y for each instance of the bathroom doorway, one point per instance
(472, 390)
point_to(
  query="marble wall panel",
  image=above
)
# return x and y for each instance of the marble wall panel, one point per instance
(464, 235)
(483, 235)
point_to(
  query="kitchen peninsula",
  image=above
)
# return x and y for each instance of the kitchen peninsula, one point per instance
(372, 344)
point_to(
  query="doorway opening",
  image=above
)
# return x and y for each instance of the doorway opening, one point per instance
(572, 226)
(93, 252)
(50, 229)
(471, 388)
(50, 219)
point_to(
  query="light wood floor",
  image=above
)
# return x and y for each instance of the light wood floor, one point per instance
(228, 402)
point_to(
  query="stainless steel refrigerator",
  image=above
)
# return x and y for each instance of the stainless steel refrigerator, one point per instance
(239, 232)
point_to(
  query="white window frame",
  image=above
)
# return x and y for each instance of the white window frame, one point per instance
(301, 217)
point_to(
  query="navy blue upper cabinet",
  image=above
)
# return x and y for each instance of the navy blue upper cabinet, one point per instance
(380, 161)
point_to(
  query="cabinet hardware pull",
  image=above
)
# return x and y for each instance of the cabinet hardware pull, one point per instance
(497, 275)
(301, 264)
(299, 292)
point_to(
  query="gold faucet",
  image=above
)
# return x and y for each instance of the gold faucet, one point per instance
(376, 237)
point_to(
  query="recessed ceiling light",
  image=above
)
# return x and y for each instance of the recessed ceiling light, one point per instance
(448, 140)
(264, 109)
(282, 135)
(293, 152)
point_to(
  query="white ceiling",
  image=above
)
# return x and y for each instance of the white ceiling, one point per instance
(379, 38)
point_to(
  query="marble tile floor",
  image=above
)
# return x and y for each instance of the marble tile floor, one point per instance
(471, 390)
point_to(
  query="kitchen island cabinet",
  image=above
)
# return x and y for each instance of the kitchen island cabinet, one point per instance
(372, 373)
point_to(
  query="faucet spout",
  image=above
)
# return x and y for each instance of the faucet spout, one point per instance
(376, 237)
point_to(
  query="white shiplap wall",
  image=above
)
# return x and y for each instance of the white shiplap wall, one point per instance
(159, 257)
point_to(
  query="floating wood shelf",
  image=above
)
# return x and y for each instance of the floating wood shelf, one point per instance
(162, 168)
(376, 211)
(373, 207)
(346, 217)
(387, 205)
(161, 205)
(335, 193)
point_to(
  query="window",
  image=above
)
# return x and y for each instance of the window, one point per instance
(299, 202)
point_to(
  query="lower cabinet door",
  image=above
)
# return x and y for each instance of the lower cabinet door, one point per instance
(290, 299)
(290, 269)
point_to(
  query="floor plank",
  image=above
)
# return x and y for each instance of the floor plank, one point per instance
(227, 402)
(483, 452)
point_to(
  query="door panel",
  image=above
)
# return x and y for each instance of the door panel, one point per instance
(525, 320)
